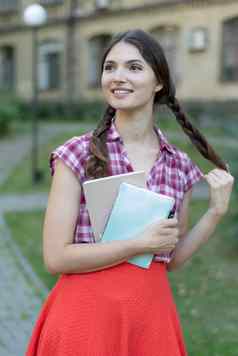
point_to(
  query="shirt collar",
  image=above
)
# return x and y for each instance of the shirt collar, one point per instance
(164, 144)
(113, 135)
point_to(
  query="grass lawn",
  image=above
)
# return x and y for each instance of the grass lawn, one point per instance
(26, 228)
(20, 179)
(205, 289)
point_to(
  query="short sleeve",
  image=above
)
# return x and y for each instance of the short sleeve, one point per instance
(192, 173)
(71, 153)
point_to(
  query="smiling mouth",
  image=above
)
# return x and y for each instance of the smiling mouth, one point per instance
(121, 93)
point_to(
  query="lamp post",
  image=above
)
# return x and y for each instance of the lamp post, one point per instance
(35, 16)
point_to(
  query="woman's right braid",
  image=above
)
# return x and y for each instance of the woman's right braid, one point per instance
(195, 135)
(97, 165)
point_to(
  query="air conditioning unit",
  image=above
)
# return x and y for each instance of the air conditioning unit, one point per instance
(102, 4)
(198, 39)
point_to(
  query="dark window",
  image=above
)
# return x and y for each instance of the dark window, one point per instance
(96, 48)
(51, 2)
(168, 38)
(8, 5)
(50, 66)
(7, 68)
(230, 51)
(53, 60)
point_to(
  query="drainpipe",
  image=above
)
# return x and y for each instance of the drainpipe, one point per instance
(70, 56)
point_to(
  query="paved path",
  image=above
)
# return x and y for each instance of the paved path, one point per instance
(19, 147)
(19, 301)
(21, 291)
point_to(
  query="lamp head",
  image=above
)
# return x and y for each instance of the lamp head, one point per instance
(34, 15)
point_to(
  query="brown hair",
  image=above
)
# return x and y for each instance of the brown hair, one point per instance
(152, 52)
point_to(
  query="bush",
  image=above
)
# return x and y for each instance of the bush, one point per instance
(15, 109)
(217, 111)
(9, 111)
(221, 114)
(59, 110)
(82, 111)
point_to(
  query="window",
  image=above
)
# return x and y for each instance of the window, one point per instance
(51, 2)
(7, 68)
(96, 47)
(197, 39)
(230, 51)
(168, 38)
(8, 5)
(49, 71)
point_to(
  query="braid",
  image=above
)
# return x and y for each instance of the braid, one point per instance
(195, 136)
(97, 165)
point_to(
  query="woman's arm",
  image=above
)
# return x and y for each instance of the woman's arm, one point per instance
(60, 254)
(220, 183)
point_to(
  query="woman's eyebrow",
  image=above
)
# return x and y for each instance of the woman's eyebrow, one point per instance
(127, 62)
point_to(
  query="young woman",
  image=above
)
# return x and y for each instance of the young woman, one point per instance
(101, 305)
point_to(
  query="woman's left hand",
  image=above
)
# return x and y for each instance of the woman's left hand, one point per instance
(220, 183)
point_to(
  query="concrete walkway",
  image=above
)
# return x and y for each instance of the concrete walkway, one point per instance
(19, 300)
(19, 147)
(21, 291)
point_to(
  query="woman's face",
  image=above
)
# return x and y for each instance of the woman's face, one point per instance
(128, 82)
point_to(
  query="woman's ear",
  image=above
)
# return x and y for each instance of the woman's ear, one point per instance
(158, 87)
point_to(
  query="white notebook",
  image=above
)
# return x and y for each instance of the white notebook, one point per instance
(134, 209)
(101, 193)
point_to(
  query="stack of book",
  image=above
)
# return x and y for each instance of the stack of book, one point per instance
(123, 211)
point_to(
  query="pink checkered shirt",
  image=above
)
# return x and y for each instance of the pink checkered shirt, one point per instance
(173, 174)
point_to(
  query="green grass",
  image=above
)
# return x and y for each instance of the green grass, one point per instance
(205, 288)
(20, 180)
(22, 127)
(170, 124)
(26, 229)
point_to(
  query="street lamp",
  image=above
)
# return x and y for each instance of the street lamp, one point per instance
(35, 16)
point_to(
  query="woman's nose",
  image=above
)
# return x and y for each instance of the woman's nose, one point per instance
(119, 75)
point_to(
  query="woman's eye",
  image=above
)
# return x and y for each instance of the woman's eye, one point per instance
(108, 67)
(135, 67)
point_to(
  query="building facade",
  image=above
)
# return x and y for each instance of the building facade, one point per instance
(200, 40)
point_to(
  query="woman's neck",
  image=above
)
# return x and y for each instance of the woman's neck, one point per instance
(135, 127)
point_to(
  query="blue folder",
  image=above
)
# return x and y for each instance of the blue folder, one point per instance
(133, 209)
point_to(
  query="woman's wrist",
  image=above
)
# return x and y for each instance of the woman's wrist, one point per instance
(215, 214)
(139, 245)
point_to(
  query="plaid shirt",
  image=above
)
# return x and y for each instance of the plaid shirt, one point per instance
(172, 174)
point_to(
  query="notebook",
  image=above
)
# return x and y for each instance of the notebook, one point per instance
(134, 209)
(101, 193)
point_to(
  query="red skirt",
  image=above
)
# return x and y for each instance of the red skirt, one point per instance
(123, 310)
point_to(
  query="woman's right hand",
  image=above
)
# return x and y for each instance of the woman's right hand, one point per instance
(159, 237)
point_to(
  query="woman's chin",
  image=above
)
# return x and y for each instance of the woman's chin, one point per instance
(122, 107)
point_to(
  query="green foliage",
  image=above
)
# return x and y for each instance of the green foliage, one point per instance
(26, 229)
(203, 114)
(205, 289)
(15, 113)
(218, 110)
(20, 181)
(9, 111)
(82, 110)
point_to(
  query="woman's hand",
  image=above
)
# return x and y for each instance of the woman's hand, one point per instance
(220, 183)
(160, 236)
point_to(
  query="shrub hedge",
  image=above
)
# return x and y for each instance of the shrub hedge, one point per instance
(206, 113)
